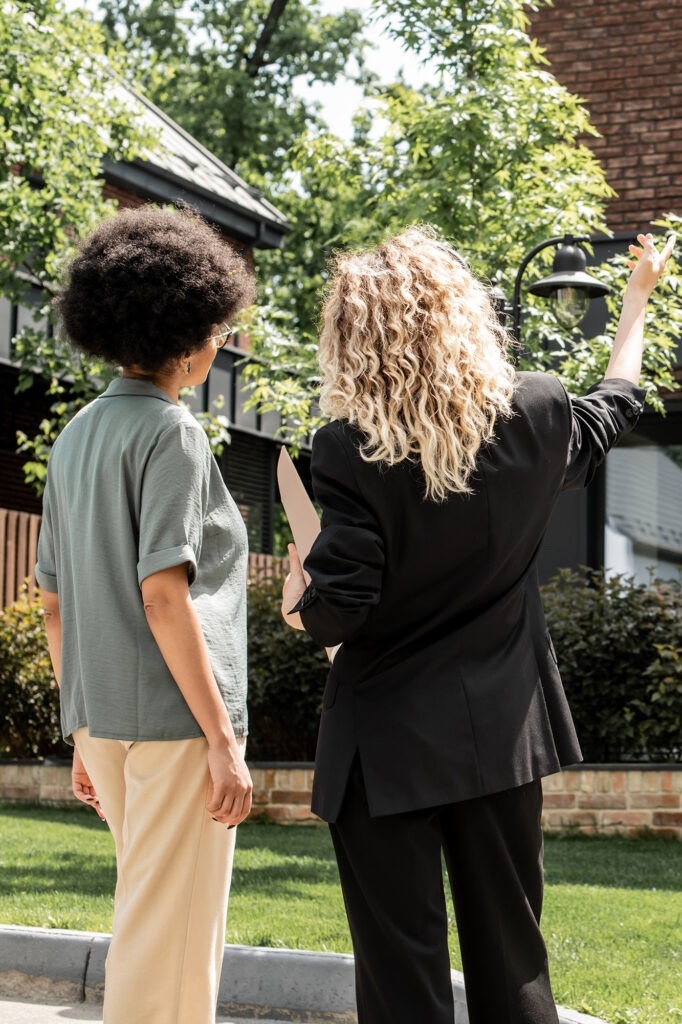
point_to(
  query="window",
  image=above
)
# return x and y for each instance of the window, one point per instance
(5, 327)
(243, 417)
(220, 389)
(643, 513)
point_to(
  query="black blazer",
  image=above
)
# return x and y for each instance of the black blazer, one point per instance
(447, 682)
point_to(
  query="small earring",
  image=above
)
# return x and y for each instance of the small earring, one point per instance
(189, 366)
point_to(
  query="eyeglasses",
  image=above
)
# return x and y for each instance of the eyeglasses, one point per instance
(222, 334)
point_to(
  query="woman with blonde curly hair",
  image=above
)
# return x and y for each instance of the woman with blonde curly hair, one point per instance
(437, 474)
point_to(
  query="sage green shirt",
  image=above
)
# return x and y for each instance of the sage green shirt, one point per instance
(133, 488)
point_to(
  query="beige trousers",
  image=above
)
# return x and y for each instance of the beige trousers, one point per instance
(174, 867)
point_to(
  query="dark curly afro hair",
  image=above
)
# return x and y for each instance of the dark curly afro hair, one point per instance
(147, 286)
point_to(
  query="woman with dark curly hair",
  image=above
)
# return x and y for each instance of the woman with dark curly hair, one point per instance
(142, 568)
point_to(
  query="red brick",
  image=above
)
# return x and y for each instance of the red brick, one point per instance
(290, 796)
(559, 800)
(277, 813)
(654, 800)
(601, 800)
(640, 818)
(667, 833)
(301, 813)
(618, 782)
(667, 782)
(668, 818)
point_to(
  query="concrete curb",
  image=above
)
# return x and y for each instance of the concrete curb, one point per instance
(284, 983)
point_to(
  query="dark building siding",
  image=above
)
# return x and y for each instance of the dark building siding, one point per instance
(18, 412)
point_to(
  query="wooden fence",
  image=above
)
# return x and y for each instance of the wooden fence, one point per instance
(19, 545)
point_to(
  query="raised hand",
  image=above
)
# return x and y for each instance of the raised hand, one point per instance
(649, 264)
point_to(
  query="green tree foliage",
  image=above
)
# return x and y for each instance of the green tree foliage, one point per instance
(60, 118)
(491, 155)
(228, 71)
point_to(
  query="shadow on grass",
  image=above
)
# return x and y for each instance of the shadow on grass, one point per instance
(614, 862)
(308, 858)
(73, 873)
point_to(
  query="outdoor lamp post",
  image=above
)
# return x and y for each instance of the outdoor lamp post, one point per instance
(569, 287)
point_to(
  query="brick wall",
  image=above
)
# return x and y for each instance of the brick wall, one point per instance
(615, 798)
(601, 799)
(623, 58)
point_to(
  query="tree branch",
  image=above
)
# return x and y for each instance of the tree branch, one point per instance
(255, 62)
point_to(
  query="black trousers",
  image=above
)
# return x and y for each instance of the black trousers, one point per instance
(392, 883)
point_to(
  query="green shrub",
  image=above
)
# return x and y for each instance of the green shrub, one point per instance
(619, 648)
(287, 673)
(618, 643)
(29, 695)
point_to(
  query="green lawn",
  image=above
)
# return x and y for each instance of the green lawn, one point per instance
(612, 921)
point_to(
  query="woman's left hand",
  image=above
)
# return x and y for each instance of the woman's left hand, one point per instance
(292, 591)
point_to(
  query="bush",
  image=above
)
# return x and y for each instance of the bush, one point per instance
(618, 643)
(29, 694)
(619, 648)
(287, 673)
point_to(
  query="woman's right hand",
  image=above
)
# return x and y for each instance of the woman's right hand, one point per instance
(649, 265)
(81, 785)
(230, 800)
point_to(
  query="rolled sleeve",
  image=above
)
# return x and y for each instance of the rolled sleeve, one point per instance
(598, 420)
(173, 502)
(46, 565)
(166, 559)
(46, 580)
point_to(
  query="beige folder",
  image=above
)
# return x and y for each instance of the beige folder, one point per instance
(303, 519)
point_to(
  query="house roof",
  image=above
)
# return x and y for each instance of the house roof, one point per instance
(179, 167)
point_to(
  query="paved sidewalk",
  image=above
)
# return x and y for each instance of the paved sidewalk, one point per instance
(22, 1011)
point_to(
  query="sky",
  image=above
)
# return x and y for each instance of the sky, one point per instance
(340, 101)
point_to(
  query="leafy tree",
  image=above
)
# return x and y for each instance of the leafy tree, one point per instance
(228, 71)
(491, 155)
(59, 119)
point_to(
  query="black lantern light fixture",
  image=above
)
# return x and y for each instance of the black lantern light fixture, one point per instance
(569, 287)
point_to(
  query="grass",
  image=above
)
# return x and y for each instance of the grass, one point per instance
(612, 919)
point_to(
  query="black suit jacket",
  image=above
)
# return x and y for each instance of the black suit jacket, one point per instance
(447, 682)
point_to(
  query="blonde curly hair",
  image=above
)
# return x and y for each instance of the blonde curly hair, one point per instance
(412, 352)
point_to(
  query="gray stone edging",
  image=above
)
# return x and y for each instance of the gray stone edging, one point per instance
(284, 982)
